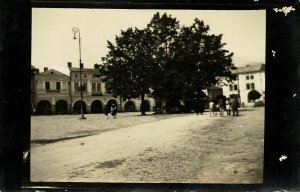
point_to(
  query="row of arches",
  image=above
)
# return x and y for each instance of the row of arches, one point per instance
(61, 107)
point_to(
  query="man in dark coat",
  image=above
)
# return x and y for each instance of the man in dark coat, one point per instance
(113, 110)
(235, 105)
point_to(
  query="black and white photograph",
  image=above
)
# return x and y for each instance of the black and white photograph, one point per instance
(147, 96)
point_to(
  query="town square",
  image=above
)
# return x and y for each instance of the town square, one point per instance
(184, 148)
(153, 96)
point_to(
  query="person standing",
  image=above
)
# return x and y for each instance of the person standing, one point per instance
(235, 105)
(113, 110)
(211, 108)
(228, 106)
(221, 106)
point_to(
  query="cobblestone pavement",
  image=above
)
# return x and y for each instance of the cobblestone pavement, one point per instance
(184, 149)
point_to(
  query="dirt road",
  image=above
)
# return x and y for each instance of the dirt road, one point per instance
(187, 149)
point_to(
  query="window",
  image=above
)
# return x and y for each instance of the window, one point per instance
(76, 86)
(231, 87)
(248, 86)
(252, 86)
(84, 76)
(99, 87)
(235, 87)
(251, 77)
(76, 76)
(58, 86)
(47, 85)
(247, 77)
(93, 87)
(85, 87)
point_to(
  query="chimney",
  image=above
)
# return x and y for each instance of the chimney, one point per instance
(81, 65)
(69, 64)
(45, 69)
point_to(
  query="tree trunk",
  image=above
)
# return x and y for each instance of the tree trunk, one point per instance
(121, 98)
(121, 103)
(142, 107)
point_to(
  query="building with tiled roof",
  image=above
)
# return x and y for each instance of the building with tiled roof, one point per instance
(249, 69)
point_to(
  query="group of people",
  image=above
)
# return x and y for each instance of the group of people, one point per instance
(229, 105)
(110, 109)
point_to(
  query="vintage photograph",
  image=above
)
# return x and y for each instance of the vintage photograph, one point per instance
(147, 96)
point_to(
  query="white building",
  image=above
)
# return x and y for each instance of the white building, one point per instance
(249, 78)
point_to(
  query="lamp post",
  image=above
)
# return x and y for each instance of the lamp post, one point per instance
(75, 30)
(238, 89)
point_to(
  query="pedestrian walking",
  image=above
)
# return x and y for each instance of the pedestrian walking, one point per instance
(228, 106)
(106, 111)
(211, 108)
(113, 110)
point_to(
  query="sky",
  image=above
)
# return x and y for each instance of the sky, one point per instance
(53, 46)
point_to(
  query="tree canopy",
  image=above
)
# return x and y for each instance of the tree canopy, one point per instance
(165, 60)
(253, 95)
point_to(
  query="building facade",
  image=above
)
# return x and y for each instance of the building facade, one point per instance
(250, 78)
(58, 93)
(52, 92)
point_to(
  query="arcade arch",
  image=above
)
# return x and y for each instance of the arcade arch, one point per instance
(61, 107)
(129, 106)
(44, 108)
(96, 106)
(111, 101)
(77, 107)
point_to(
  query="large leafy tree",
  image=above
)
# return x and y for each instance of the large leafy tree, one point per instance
(175, 62)
(192, 59)
(201, 57)
(165, 30)
(127, 68)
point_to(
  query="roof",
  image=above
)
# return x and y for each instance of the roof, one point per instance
(88, 70)
(52, 72)
(83, 69)
(249, 69)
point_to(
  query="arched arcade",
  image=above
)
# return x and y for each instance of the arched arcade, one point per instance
(44, 108)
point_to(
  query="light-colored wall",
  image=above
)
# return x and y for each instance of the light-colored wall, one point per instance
(52, 79)
(87, 77)
(259, 83)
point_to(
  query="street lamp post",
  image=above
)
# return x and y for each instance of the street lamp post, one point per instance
(75, 30)
(238, 89)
